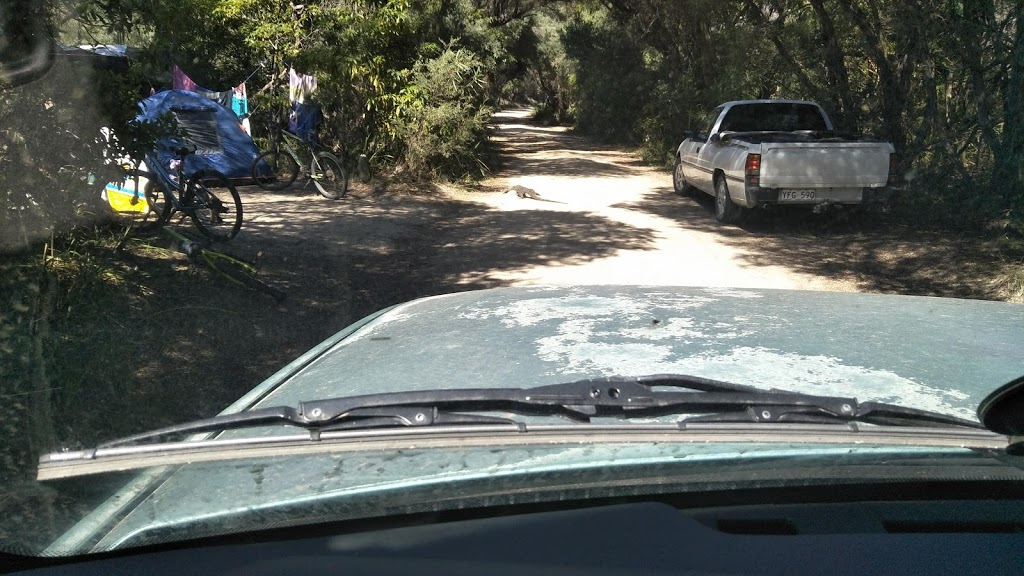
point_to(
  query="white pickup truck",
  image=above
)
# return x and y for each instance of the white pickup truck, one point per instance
(760, 153)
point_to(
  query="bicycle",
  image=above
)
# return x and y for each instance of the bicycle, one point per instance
(231, 268)
(276, 169)
(213, 217)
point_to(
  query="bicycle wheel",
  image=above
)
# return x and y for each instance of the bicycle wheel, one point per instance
(328, 176)
(213, 203)
(274, 170)
(158, 213)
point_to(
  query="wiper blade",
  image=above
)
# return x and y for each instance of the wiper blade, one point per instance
(878, 413)
(622, 397)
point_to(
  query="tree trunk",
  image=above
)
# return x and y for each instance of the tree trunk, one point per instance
(893, 95)
(1008, 158)
(835, 64)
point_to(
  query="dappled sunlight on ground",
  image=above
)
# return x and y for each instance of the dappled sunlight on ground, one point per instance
(682, 244)
(167, 341)
(602, 218)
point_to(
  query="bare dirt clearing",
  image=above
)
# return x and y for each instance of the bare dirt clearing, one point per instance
(604, 217)
(658, 237)
(166, 346)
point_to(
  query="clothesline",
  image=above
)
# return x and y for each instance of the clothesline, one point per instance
(305, 118)
(234, 99)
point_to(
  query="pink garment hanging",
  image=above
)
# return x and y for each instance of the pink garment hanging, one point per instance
(181, 81)
(234, 99)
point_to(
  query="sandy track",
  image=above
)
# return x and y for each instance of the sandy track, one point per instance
(684, 243)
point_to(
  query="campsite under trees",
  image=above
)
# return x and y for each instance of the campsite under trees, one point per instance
(411, 83)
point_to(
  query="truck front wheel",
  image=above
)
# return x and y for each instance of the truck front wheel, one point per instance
(725, 209)
(679, 183)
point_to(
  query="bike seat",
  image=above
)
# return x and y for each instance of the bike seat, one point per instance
(182, 148)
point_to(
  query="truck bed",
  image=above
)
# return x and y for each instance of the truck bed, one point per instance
(819, 164)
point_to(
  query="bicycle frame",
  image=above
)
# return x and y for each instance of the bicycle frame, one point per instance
(156, 172)
(193, 249)
(199, 250)
(217, 215)
(283, 136)
(289, 156)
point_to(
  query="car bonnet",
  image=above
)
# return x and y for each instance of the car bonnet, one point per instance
(929, 353)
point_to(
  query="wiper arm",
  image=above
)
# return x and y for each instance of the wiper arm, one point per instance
(708, 400)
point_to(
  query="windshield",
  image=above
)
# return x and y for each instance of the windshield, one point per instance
(772, 117)
(211, 207)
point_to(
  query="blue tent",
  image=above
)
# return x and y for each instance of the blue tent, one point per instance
(221, 143)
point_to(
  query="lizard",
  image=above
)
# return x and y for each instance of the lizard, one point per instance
(524, 192)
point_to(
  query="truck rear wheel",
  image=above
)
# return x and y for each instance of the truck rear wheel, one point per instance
(725, 209)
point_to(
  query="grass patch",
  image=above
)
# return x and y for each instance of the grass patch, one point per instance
(74, 306)
(1011, 283)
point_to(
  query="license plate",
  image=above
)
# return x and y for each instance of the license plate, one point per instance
(795, 195)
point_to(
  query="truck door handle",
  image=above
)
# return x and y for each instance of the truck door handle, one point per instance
(698, 150)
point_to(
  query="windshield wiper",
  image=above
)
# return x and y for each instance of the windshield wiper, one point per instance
(703, 400)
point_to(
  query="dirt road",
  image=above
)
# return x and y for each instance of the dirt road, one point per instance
(603, 217)
(195, 343)
(676, 240)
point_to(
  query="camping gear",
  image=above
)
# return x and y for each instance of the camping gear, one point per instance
(122, 196)
(233, 98)
(223, 146)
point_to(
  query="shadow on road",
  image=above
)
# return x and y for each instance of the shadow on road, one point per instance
(198, 343)
(562, 154)
(485, 243)
(202, 342)
(866, 248)
(565, 168)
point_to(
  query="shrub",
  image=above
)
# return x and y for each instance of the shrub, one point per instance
(443, 119)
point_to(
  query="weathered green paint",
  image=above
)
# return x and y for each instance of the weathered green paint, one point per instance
(928, 353)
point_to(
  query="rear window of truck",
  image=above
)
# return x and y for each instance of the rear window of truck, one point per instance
(772, 118)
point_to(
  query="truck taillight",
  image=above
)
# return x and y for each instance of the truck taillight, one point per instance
(754, 169)
(893, 167)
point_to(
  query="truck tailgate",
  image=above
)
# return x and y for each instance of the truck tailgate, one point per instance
(824, 164)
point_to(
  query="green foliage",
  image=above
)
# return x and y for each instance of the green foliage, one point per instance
(610, 80)
(547, 74)
(444, 120)
(941, 80)
(363, 53)
(52, 155)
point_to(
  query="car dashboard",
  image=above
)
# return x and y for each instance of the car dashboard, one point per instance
(971, 529)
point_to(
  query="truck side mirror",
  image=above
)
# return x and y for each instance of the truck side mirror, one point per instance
(715, 138)
(26, 45)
